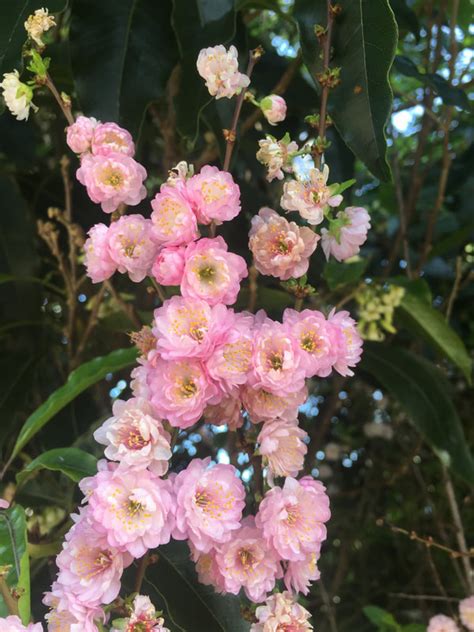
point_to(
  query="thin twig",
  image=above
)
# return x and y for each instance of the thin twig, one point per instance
(91, 323)
(329, 608)
(428, 542)
(455, 289)
(10, 602)
(425, 597)
(401, 210)
(127, 309)
(253, 288)
(65, 107)
(141, 570)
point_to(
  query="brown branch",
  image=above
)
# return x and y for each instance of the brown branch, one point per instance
(425, 597)
(91, 323)
(10, 602)
(253, 288)
(127, 309)
(141, 570)
(402, 211)
(65, 107)
(455, 289)
(428, 542)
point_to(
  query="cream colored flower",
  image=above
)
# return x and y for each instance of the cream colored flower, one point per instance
(39, 23)
(18, 96)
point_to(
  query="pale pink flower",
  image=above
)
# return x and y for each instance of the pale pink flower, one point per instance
(67, 614)
(180, 390)
(317, 340)
(228, 411)
(276, 367)
(142, 618)
(112, 180)
(79, 134)
(213, 195)
(133, 509)
(132, 246)
(190, 327)
(300, 573)
(135, 438)
(273, 108)
(169, 265)
(89, 568)
(209, 503)
(231, 360)
(280, 248)
(13, 623)
(220, 68)
(99, 264)
(466, 612)
(282, 446)
(281, 613)
(441, 623)
(292, 518)
(247, 562)
(276, 155)
(207, 569)
(263, 405)
(346, 234)
(110, 138)
(173, 219)
(4, 504)
(211, 273)
(348, 341)
(311, 198)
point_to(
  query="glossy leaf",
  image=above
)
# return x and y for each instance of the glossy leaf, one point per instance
(425, 321)
(337, 274)
(384, 621)
(406, 17)
(122, 55)
(79, 380)
(173, 582)
(197, 24)
(12, 30)
(451, 95)
(365, 36)
(422, 391)
(74, 463)
(14, 553)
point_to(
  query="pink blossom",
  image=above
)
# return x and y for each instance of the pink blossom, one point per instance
(190, 327)
(281, 613)
(232, 359)
(220, 68)
(300, 573)
(263, 405)
(180, 390)
(4, 504)
(213, 195)
(79, 134)
(276, 366)
(276, 155)
(89, 568)
(112, 180)
(169, 265)
(228, 411)
(348, 341)
(209, 504)
(441, 623)
(466, 612)
(14, 624)
(131, 246)
(133, 509)
(273, 108)
(135, 438)
(280, 248)
(211, 273)
(67, 614)
(247, 562)
(282, 446)
(311, 198)
(207, 569)
(346, 234)
(316, 340)
(99, 264)
(110, 138)
(143, 617)
(173, 219)
(292, 518)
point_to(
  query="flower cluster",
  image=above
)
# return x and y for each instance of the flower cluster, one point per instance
(220, 68)
(442, 623)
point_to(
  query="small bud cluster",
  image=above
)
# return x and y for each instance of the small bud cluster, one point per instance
(376, 309)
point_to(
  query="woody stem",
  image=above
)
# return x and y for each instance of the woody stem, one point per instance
(325, 87)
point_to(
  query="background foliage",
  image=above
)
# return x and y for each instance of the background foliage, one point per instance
(392, 443)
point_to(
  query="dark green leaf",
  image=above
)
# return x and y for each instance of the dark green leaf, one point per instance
(414, 627)
(14, 553)
(197, 24)
(173, 582)
(12, 30)
(384, 621)
(338, 274)
(365, 36)
(74, 463)
(406, 17)
(122, 55)
(451, 95)
(421, 389)
(80, 379)
(427, 322)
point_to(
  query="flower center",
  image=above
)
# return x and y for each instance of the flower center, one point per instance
(113, 179)
(246, 559)
(207, 273)
(188, 388)
(292, 514)
(276, 361)
(202, 500)
(135, 441)
(134, 507)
